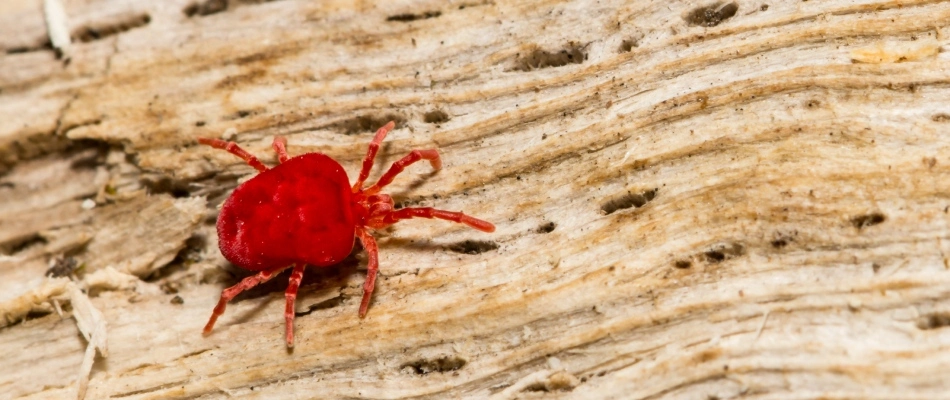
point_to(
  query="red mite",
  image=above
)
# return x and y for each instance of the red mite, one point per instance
(304, 212)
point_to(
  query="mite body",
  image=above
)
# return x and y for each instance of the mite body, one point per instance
(304, 212)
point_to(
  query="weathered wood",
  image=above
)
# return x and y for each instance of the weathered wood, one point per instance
(693, 200)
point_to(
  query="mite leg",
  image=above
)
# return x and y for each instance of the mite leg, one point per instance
(429, 212)
(372, 267)
(233, 148)
(229, 293)
(291, 295)
(371, 155)
(280, 147)
(416, 155)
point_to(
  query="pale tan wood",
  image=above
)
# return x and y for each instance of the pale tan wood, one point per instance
(757, 208)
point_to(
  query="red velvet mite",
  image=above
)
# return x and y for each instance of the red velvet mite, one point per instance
(304, 212)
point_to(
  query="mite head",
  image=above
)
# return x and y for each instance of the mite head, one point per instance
(372, 210)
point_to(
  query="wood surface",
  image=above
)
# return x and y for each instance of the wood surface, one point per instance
(695, 200)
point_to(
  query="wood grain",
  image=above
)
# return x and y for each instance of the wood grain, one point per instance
(694, 200)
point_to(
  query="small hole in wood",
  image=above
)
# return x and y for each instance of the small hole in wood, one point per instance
(473, 247)
(712, 15)
(547, 227)
(435, 117)
(627, 45)
(573, 53)
(96, 31)
(409, 17)
(441, 364)
(933, 321)
(628, 200)
(367, 123)
(205, 8)
(864, 221)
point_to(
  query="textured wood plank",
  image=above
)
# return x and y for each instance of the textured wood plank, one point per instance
(693, 200)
